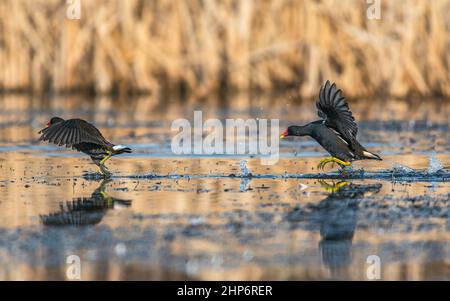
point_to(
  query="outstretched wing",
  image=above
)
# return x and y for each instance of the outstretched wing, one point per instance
(333, 108)
(71, 132)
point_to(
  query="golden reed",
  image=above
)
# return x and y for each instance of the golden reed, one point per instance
(208, 46)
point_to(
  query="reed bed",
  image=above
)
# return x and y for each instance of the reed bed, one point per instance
(202, 47)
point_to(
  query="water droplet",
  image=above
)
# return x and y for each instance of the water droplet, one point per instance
(120, 249)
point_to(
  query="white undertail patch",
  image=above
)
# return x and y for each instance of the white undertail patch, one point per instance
(369, 155)
(119, 147)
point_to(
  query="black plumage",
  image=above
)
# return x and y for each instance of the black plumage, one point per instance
(82, 136)
(73, 132)
(336, 131)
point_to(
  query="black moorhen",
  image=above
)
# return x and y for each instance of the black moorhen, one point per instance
(84, 137)
(337, 130)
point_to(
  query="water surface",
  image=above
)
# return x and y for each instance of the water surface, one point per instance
(200, 218)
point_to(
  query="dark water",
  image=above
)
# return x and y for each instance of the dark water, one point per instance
(165, 216)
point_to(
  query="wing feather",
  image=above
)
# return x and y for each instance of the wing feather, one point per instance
(56, 135)
(71, 132)
(333, 109)
(70, 137)
(49, 135)
(76, 136)
(64, 136)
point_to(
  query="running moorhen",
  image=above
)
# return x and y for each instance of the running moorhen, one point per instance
(84, 137)
(337, 130)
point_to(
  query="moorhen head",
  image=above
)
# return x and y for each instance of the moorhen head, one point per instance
(336, 131)
(54, 120)
(84, 137)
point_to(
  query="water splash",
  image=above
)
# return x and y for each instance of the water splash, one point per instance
(245, 171)
(175, 176)
(243, 186)
(402, 169)
(434, 165)
(149, 175)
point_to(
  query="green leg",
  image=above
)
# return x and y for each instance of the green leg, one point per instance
(103, 168)
(101, 164)
(325, 161)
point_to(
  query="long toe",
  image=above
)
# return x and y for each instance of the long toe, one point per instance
(324, 163)
(321, 164)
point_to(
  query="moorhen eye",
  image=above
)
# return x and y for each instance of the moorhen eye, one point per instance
(84, 137)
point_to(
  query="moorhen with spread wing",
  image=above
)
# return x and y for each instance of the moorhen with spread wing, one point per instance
(84, 137)
(336, 131)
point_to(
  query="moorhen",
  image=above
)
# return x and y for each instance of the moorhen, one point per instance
(337, 130)
(84, 137)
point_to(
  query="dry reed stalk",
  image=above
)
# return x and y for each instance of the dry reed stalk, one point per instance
(219, 45)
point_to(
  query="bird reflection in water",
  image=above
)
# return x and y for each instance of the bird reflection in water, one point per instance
(333, 186)
(85, 211)
(338, 223)
(335, 217)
